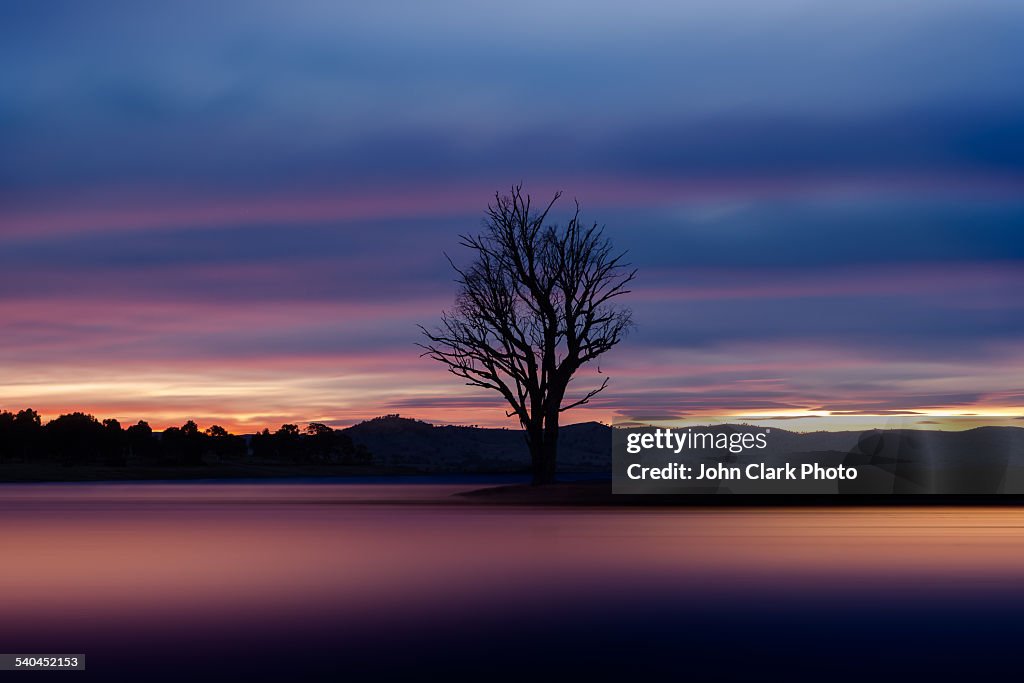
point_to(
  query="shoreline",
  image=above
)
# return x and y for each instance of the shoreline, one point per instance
(481, 489)
(17, 473)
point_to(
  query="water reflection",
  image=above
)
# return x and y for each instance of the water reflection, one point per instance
(212, 568)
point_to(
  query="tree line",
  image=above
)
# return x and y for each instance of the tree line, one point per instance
(79, 438)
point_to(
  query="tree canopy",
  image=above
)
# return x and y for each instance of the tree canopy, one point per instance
(537, 303)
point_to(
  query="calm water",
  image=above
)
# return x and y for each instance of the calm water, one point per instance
(320, 581)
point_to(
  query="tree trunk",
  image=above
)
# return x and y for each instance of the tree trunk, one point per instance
(542, 460)
(544, 451)
(543, 466)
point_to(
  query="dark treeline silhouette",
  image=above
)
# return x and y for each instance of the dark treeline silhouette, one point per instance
(317, 443)
(80, 439)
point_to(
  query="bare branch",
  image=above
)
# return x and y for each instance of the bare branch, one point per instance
(536, 304)
(586, 399)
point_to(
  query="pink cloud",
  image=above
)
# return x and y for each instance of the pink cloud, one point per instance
(134, 208)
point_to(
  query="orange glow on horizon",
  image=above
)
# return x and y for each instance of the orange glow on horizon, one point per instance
(491, 417)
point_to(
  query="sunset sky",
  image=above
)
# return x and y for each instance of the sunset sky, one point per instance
(237, 211)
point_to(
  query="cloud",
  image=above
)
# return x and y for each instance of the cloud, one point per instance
(240, 212)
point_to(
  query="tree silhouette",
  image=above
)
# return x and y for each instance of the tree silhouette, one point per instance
(19, 433)
(141, 443)
(80, 439)
(216, 432)
(76, 438)
(115, 443)
(536, 304)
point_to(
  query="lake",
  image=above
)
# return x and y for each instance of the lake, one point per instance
(277, 581)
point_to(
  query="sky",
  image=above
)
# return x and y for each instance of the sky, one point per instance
(237, 212)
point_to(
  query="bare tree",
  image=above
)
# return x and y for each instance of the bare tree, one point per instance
(537, 303)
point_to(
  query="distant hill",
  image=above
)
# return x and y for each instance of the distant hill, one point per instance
(402, 442)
